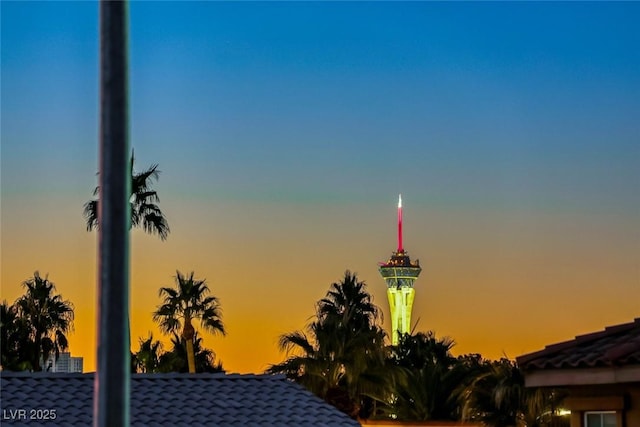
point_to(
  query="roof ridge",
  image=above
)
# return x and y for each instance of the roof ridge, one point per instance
(581, 341)
(186, 399)
(608, 330)
(158, 375)
(623, 350)
(27, 374)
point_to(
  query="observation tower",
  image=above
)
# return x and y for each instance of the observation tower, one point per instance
(400, 274)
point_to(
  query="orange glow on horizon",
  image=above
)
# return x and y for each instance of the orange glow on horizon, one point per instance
(505, 290)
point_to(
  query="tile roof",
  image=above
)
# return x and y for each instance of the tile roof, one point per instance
(172, 400)
(617, 345)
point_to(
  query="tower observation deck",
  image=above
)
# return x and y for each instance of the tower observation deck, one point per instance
(400, 273)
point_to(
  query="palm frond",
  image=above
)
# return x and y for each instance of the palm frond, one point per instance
(297, 339)
(145, 212)
(187, 300)
(90, 214)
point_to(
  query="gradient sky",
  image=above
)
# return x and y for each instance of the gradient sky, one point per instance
(285, 131)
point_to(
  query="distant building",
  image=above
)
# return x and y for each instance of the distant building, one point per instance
(65, 363)
(400, 273)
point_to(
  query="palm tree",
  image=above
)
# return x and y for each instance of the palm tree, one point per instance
(341, 357)
(349, 373)
(145, 212)
(431, 381)
(185, 303)
(14, 340)
(348, 303)
(466, 370)
(147, 359)
(498, 398)
(350, 328)
(318, 364)
(8, 336)
(47, 318)
(176, 359)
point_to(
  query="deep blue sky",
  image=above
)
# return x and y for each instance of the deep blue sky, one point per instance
(284, 132)
(533, 93)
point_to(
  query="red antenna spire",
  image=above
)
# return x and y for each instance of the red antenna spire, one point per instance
(400, 249)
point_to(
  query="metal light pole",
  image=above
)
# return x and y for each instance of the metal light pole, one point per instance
(112, 380)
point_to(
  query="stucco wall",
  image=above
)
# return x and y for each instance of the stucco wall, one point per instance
(622, 398)
(378, 423)
(633, 414)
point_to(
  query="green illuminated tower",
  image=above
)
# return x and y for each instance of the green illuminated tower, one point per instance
(400, 274)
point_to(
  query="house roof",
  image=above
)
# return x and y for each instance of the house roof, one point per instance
(616, 346)
(175, 399)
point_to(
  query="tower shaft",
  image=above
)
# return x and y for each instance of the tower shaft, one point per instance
(400, 305)
(400, 274)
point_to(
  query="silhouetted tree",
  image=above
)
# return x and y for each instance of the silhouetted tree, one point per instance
(145, 212)
(498, 397)
(15, 344)
(45, 318)
(147, 358)
(176, 359)
(150, 357)
(342, 357)
(429, 393)
(185, 303)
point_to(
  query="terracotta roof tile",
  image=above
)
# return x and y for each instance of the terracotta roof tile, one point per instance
(180, 400)
(615, 346)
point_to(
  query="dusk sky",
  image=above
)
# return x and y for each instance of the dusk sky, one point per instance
(284, 133)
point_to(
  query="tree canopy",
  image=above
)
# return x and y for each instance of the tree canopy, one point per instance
(35, 327)
(145, 212)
